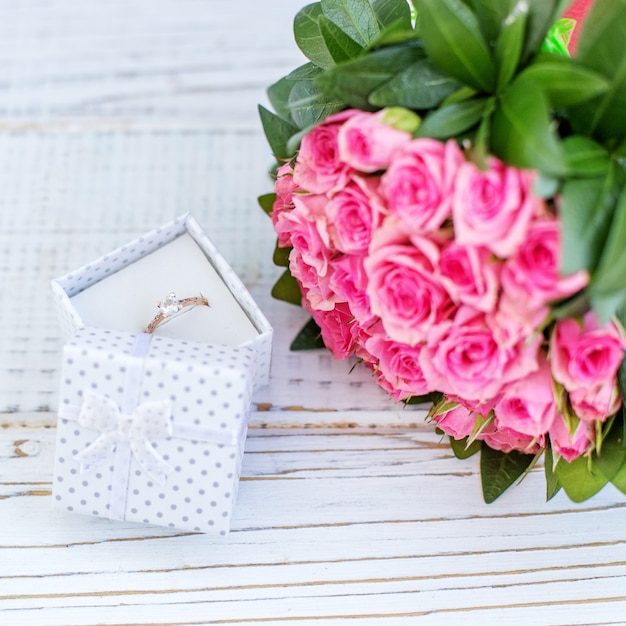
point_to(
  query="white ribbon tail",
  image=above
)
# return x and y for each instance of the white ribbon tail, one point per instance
(97, 451)
(150, 460)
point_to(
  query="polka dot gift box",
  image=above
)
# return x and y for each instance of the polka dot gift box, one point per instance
(154, 399)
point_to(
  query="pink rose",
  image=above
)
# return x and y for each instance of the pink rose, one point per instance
(494, 208)
(353, 213)
(419, 182)
(506, 439)
(596, 403)
(316, 290)
(458, 422)
(527, 405)
(308, 227)
(367, 144)
(337, 329)
(349, 281)
(464, 358)
(285, 188)
(585, 355)
(470, 275)
(319, 168)
(403, 289)
(531, 277)
(570, 446)
(399, 364)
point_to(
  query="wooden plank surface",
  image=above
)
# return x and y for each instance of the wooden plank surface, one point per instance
(115, 117)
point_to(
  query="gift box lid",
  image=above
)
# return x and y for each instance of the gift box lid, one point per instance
(206, 387)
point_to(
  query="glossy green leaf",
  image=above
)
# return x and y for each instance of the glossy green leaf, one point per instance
(309, 338)
(308, 105)
(277, 131)
(356, 18)
(306, 30)
(498, 471)
(510, 43)
(419, 86)
(281, 256)
(340, 46)
(619, 480)
(462, 450)
(452, 120)
(553, 486)
(621, 378)
(353, 82)
(601, 49)
(581, 478)
(586, 212)
(542, 15)
(491, 15)
(613, 453)
(522, 133)
(287, 289)
(585, 157)
(266, 202)
(278, 95)
(390, 12)
(566, 84)
(453, 40)
(607, 291)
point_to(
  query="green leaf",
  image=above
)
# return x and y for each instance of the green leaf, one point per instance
(566, 84)
(611, 272)
(278, 95)
(453, 40)
(586, 211)
(621, 378)
(553, 486)
(498, 471)
(522, 133)
(352, 82)
(277, 131)
(452, 120)
(356, 18)
(266, 202)
(619, 480)
(309, 338)
(601, 49)
(613, 454)
(281, 256)
(543, 14)
(585, 157)
(306, 30)
(508, 50)
(419, 86)
(581, 478)
(462, 450)
(389, 12)
(287, 289)
(491, 15)
(309, 105)
(608, 283)
(340, 46)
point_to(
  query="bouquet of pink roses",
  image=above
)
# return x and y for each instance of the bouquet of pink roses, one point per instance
(450, 207)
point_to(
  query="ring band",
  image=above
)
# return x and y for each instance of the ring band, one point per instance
(170, 306)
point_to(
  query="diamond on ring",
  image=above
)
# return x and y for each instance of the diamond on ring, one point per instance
(171, 305)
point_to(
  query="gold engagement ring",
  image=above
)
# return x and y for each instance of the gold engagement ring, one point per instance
(171, 306)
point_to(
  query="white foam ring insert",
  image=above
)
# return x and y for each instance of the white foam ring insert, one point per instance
(126, 299)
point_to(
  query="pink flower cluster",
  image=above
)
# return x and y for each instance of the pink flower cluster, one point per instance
(440, 276)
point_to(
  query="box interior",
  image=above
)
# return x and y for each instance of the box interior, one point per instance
(126, 299)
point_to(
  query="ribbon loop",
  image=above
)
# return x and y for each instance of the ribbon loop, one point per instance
(148, 422)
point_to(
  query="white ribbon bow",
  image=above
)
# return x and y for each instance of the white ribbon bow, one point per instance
(148, 422)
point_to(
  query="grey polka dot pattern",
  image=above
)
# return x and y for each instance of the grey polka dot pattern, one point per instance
(209, 388)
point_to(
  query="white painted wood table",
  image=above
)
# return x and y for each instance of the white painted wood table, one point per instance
(115, 117)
